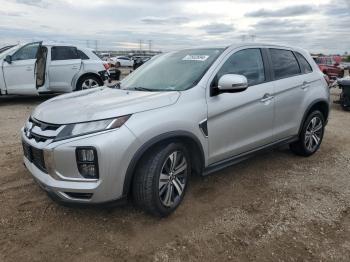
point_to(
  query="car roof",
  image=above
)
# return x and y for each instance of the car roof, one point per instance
(70, 45)
(256, 45)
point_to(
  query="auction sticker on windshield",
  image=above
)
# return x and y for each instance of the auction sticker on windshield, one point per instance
(201, 58)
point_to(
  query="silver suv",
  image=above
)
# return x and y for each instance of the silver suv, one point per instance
(189, 112)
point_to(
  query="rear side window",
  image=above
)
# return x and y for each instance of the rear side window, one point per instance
(284, 63)
(64, 53)
(82, 55)
(248, 62)
(304, 64)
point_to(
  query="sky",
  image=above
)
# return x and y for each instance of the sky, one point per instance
(318, 26)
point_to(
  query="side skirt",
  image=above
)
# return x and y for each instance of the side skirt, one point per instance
(241, 157)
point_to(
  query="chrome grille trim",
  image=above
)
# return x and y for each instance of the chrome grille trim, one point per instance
(41, 132)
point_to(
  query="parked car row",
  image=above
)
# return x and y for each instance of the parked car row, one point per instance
(329, 67)
(121, 61)
(124, 61)
(38, 68)
(345, 65)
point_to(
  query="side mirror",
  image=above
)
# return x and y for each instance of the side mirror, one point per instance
(8, 59)
(232, 83)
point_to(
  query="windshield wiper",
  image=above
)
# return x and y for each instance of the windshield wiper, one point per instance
(140, 88)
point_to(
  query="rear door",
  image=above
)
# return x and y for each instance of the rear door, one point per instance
(64, 65)
(290, 87)
(20, 74)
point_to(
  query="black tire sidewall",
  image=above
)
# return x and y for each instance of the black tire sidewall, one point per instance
(164, 211)
(303, 132)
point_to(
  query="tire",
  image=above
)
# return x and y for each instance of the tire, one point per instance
(157, 177)
(311, 135)
(345, 103)
(88, 82)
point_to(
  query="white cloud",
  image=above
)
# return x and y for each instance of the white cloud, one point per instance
(319, 25)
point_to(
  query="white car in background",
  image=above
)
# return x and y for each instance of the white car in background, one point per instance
(37, 68)
(124, 61)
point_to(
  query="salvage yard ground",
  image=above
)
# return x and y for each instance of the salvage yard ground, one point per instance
(273, 207)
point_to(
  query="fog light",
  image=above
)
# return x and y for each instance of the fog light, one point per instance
(86, 155)
(87, 162)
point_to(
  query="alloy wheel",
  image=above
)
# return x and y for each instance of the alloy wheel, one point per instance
(173, 179)
(89, 83)
(313, 134)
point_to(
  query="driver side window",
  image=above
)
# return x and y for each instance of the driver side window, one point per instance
(26, 52)
(248, 62)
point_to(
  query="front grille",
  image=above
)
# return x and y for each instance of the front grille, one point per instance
(40, 131)
(35, 156)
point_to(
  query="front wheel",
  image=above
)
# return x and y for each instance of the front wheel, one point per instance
(311, 135)
(161, 179)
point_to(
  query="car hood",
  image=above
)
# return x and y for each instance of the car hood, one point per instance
(100, 103)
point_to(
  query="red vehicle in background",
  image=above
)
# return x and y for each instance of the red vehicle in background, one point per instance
(329, 66)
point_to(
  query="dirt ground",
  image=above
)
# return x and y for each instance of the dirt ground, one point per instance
(273, 207)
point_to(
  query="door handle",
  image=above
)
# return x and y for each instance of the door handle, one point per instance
(266, 97)
(305, 85)
(74, 67)
(29, 68)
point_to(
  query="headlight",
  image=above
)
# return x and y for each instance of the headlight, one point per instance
(73, 130)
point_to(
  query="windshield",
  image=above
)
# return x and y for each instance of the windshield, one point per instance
(4, 53)
(97, 54)
(175, 71)
(3, 49)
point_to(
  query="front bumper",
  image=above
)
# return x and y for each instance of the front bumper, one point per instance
(115, 149)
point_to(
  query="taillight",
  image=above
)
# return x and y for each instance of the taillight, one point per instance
(106, 66)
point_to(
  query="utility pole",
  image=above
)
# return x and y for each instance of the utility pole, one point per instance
(96, 45)
(140, 41)
(150, 45)
(253, 37)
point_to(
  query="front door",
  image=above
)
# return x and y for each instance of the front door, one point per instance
(243, 121)
(65, 64)
(20, 74)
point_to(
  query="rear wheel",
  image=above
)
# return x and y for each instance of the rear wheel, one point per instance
(311, 135)
(161, 179)
(88, 82)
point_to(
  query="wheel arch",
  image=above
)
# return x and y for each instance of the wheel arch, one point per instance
(321, 105)
(191, 142)
(85, 75)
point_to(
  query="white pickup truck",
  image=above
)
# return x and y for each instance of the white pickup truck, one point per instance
(37, 68)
